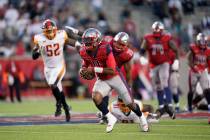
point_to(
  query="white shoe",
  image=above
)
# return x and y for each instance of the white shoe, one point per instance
(143, 123)
(111, 122)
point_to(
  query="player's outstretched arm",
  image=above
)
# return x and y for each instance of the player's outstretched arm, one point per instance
(143, 47)
(73, 32)
(173, 46)
(73, 43)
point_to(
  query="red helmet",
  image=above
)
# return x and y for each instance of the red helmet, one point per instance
(202, 40)
(49, 28)
(157, 28)
(91, 38)
(120, 41)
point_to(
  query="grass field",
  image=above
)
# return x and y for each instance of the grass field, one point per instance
(180, 129)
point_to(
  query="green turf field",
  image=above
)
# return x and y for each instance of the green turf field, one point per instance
(190, 129)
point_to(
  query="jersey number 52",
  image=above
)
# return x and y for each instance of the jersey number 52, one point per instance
(52, 50)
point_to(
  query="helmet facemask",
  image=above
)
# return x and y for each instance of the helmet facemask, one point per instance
(91, 38)
(120, 42)
(157, 28)
(49, 29)
(201, 41)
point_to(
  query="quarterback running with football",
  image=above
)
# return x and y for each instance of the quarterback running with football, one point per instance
(122, 54)
(98, 58)
(50, 45)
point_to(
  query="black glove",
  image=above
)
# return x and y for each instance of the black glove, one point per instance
(35, 53)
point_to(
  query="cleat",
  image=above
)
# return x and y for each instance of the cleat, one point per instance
(159, 112)
(111, 122)
(170, 111)
(144, 124)
(103, 119)
(152, 118)
(67, 113)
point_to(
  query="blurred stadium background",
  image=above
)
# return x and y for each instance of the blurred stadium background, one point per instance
(21, 19)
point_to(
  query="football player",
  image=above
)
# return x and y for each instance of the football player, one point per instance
(198, 58)
(122, 54)
(125, 115)
(50, 45)
(158, 44)
(98, 58)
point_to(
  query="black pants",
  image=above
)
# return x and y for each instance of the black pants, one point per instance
(15, 86)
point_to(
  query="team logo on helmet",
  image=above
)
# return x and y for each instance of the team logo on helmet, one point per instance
(91, 38)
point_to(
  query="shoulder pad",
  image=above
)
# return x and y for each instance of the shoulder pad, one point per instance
(193, 48)
(105, 48)
(148, 36)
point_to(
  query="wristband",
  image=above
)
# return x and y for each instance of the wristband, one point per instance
(98, 69)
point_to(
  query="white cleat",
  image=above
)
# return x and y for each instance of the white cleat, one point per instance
(111, 122)
(143, 124)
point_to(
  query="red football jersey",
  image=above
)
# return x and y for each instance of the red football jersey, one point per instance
(158, 49)
(121, 57)
(102, 57)
(199, 58)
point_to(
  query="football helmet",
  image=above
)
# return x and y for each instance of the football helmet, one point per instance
(91, 38)
(202, 40)
(157, 28)
(120, 41)
(49, 28)
(126, 110)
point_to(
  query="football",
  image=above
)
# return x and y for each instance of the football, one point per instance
(86, 74)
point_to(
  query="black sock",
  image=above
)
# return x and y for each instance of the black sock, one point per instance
(137, 110)
(176, 98)
(106, 100)
(160, 96)
(189, 98)
(56, 93)
(63, 100)
(197, 99)
(103, 108)
(207, 95)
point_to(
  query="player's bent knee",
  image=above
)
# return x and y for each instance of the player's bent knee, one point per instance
(97, 98)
